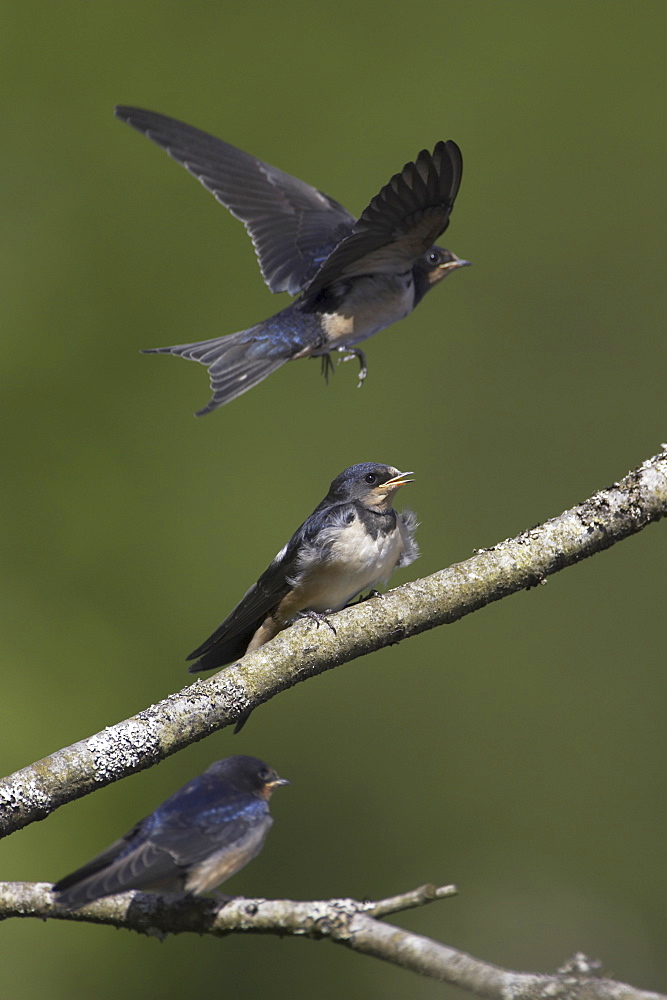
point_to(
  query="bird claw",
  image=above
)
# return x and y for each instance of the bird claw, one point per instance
(222, 898)
(371, 594)
(318, 618)
(355, 352)
(327, 367)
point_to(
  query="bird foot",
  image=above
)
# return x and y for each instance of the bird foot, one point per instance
(354, 352)
(222, 898)
(327, 367)
(368, 597)
(318, 618)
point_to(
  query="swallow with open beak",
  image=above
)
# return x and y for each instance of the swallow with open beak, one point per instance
(354, 277)
(353, 540)
(198, 838)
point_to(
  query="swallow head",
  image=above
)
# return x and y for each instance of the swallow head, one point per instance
(369, 483)
(437, 263)
(247, 774)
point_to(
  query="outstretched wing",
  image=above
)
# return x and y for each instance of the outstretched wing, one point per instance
(402, 221)
(293, 226)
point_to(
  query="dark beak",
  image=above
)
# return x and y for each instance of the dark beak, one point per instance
(450, 265)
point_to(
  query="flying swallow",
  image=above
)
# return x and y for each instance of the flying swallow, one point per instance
(354, 277)
(198, 838)
(353, 540)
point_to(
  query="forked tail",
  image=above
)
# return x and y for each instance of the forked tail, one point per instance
(235, 362)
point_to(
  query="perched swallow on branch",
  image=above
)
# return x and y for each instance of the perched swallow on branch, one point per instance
(353, 540)
(198, 838)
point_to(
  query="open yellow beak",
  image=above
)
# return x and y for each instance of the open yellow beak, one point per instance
(395, 482)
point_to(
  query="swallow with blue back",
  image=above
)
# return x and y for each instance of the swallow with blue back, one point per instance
(354, 277)
(197, 838)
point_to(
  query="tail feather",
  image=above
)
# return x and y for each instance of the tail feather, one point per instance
(209, 657)
(235, 364)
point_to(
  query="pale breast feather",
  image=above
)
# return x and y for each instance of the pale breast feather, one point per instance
(407, 525)
(368, 556)
(228, 860)
(373, 303)
(344, 560)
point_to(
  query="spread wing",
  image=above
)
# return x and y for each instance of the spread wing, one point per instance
(402, 221)
(293, 226)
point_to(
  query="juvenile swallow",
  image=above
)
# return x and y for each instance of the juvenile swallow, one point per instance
(198, 838)
(354, 277)
(353, 540)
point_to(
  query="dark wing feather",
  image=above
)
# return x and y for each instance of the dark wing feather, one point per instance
(162, 848)
(231, 638)
(190, 839)
(289, 221)
(100, 861)
(402, 221)
(256, 604)
(133, 862)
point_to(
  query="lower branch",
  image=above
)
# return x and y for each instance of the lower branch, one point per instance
(302, 651)
(348, 922)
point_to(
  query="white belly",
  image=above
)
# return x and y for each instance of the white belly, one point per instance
(356, 562)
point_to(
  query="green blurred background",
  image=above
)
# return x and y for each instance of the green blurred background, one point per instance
(519, 753)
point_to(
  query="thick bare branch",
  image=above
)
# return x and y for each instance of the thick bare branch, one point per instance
(304, 651)
(343, 921)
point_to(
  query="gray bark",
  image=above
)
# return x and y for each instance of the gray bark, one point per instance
(354, 924)
(304, 650)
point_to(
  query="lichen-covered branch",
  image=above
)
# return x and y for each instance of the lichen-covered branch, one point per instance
(304, 650)
(344, 921)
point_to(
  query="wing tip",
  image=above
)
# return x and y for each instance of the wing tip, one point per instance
(209, 408)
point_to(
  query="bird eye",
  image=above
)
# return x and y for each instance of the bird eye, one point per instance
(433, 257)
(264, 774)
(371, 478)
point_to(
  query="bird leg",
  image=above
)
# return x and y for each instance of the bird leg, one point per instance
(355, 352)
